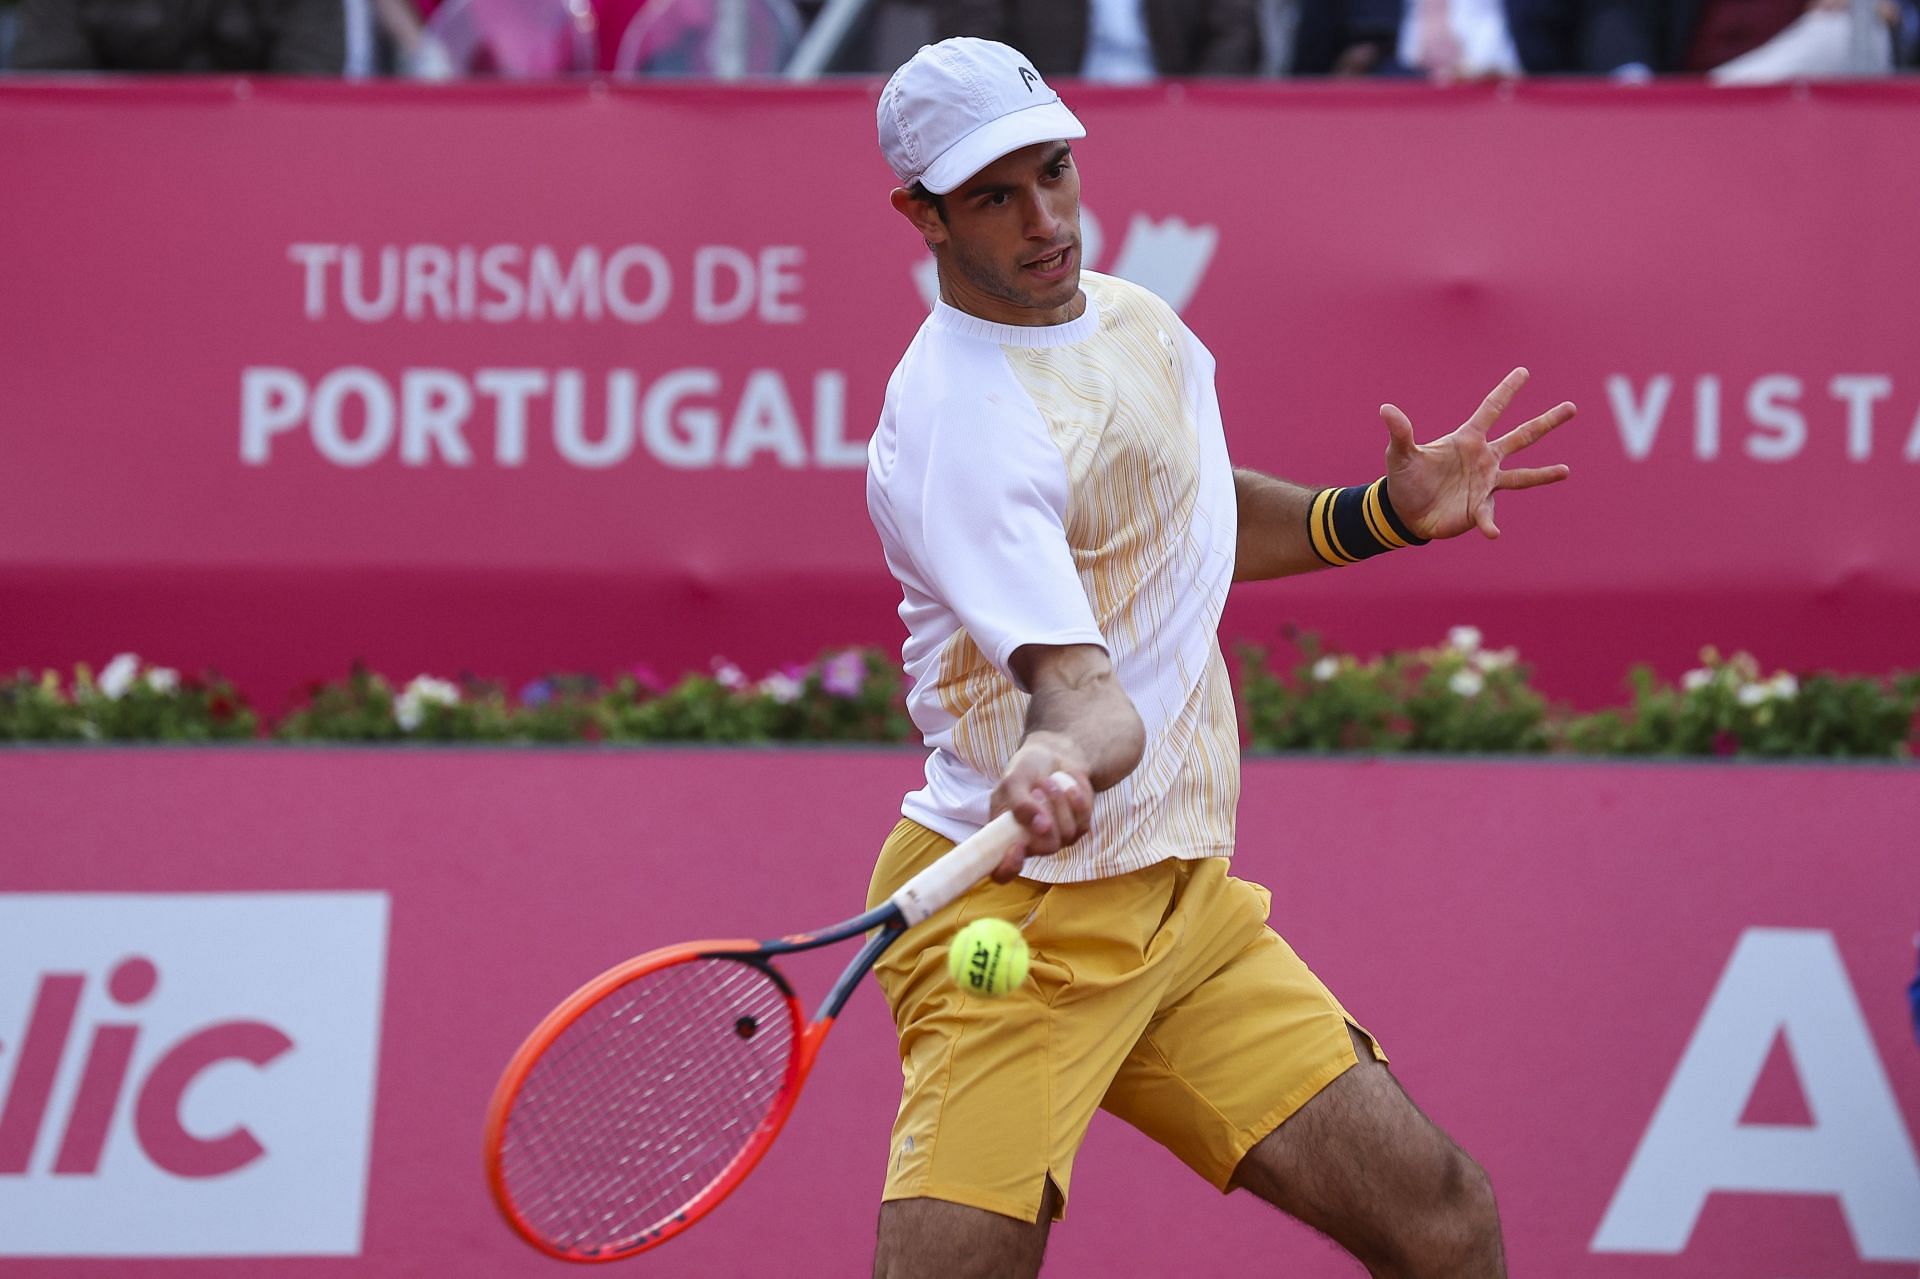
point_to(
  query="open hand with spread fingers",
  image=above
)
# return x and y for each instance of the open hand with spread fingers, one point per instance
(1444, 488)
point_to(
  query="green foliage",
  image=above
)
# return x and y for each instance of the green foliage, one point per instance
(560, 708)
(1333, 702)
(128, 701)
(698, 709)
(34, 708)
(1725, 707)
(854, 695)
(356, 709)
(1459, 697)
(1456, 698)
(1462, 698)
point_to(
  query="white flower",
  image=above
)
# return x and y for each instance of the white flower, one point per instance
(1785, 686)
(1696, 679)
(1496, 659)
(410, 708)
(1464, 639)
(119, 676)
(727, 675)
(1467, 682)
(163, 679)
(784, 689)
(1754, 694)
(1326, 668)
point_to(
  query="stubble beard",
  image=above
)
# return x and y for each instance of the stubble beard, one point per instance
(1003, 281)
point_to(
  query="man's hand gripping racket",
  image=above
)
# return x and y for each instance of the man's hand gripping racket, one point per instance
(646, 1097)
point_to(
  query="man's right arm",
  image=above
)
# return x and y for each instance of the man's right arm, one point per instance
(1079, 722)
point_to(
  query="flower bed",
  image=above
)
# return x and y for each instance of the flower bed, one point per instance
(1460, 697)
(1463, 697)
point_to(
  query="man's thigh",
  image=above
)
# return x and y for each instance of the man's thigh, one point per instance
(933, 1239)
(1361, 1164)
(1243, 1043)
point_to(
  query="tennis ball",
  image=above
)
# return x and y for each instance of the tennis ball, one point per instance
(988, 957)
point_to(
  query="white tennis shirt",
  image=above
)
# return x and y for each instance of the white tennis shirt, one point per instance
(1064, 484)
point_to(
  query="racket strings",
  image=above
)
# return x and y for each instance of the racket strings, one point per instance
(645, 1099)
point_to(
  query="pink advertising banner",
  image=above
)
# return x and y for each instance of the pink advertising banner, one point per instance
(512, 379)
(252, 1003)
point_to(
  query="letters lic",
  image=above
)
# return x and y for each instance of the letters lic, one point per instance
(152, 1103)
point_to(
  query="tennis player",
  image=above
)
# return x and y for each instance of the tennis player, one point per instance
(1051, 484)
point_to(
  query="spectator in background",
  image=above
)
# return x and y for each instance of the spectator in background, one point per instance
(1760, 41)
(1587, 37)
(382, 36)
(1474, 39)
(1116, 39)
(1346, 37)
(1457, 40)
(293, 36)
(1630, 39)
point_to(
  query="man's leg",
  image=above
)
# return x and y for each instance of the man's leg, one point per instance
(996, 1095)
(931, 1239)
(1362, 1165)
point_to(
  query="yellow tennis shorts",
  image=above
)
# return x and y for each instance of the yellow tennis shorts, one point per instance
(1160, 995)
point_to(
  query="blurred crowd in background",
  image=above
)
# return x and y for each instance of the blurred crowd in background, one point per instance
(1730, 41)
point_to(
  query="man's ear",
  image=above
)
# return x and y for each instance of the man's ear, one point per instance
(925, 218)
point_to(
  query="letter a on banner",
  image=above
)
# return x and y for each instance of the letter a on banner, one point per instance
(1788, 982)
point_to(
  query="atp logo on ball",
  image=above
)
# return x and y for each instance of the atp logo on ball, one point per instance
(988, 957)
(187, 1075)
(1169, 257)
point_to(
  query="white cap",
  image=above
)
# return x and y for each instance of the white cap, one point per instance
(957, 106)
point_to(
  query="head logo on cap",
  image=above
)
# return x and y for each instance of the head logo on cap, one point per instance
(952, 110)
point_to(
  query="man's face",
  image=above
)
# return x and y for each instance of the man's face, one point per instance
(1010, 244)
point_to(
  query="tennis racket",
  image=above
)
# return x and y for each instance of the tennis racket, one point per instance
(647, 1096)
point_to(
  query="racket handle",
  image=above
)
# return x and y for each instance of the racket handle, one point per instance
(965, 865)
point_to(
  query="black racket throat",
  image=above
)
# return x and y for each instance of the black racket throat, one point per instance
(885, 918)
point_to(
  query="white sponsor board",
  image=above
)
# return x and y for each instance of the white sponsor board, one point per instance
(1787, 982)
(187, 1075)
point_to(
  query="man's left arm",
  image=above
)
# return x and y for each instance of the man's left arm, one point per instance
(1435, 490)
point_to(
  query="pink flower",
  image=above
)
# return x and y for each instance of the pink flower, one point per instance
(844, 673)
(644, 676)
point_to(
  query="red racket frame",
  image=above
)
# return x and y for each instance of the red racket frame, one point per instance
(807, 1040)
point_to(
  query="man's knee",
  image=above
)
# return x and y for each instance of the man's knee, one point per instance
(1457, 1232)
(1470, 1207)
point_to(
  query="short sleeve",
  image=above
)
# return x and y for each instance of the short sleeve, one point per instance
(988, 528)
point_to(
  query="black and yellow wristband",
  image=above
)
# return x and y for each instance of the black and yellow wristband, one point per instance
(1347, 525)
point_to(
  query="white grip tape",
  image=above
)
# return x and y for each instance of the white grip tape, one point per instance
(965, 865)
